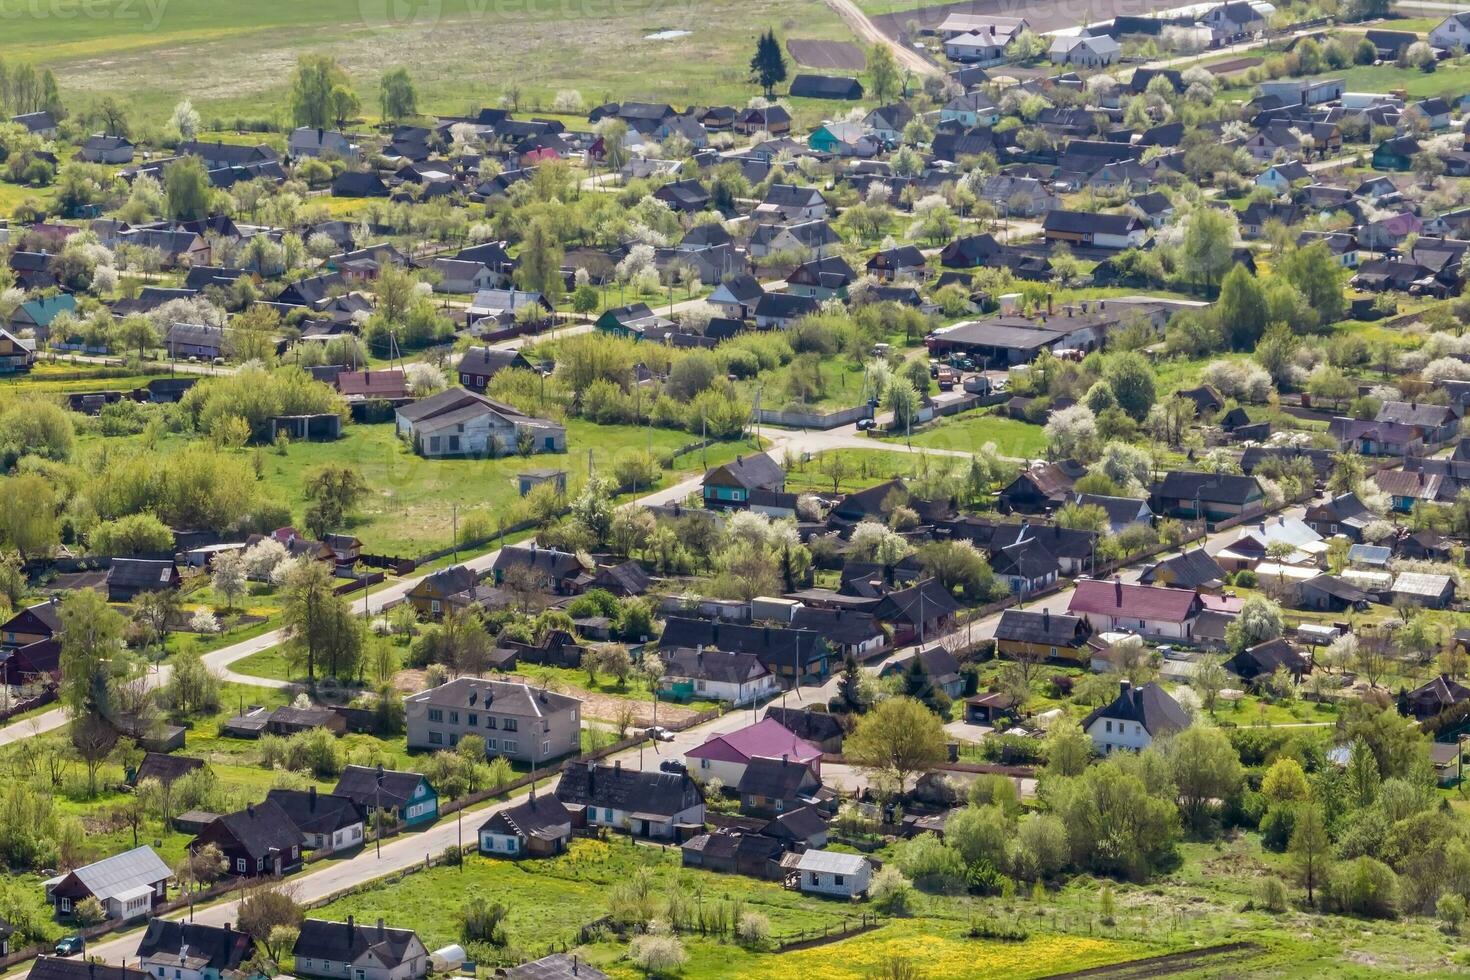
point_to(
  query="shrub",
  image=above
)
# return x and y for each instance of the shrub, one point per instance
(1271, 895)
(931, 864)
(483, 921)
(657, 952)
(891, 893)
(316, 751)
(988, 927)
(1364, 886)
(753, 928)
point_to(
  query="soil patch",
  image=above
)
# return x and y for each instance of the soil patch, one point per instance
(841, 55)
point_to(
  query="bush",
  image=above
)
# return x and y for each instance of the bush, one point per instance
(988, 927)
(931, 864)
(1271, 895)
(891, 893)
(657, 952)
(1364, 886)
(483, 921)
(753, 928)
(317, 751)
(1276, 827)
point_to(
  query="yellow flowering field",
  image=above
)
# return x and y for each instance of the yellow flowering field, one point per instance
(941, 950)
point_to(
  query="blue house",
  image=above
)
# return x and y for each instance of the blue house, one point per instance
(407, 795)
(730, 485)
(37, 314)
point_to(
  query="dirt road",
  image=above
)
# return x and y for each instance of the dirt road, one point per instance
(864, 28)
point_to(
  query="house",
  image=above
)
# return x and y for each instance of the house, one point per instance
(731, 484)
(175, 950)
(479, 365)
(1135, 718)
(645, 804)
(128, 885)
(1085, 51)
(1423, 589)
(800, 238)
(32, 624)
(56, 968)
(163, 768)
(291, 720)
(16, 355)
(806, 86)
(1331, 593)
(1094, 229)
(683, 196)
(821, 279)
(772, 119)
(406, 795)
(128, 577)
(1396, 153)
(1232, 19)
(355, 183)
(816, 727)
(1213, 496)
(341, 950)
(976, 47)
(517, 722)
(41, 123)
(849, 632)
(1436, 696)
(785, 652)
(970, 110)
(927, 670)
(101, 148)
(791, 203)
(1026, 567)
(459, 422)
(1452, 32)
(735, 852)
(833, 873)
(195, 340)
(726, 756)
(429, 595)
(1026, 635)
(1344, 514)
(632, 321)
(799, 828)
(258, 840)
(843, 139)
(461, 276)
(1282, 539)
(224, 156)
(550, 569)
(772, 786)
(736, 296)
(1194, 569)
(1122, 512)
(1256, 664)
(1040, 487)
(716, 675)
(540, 826)
(328, 822)
(308, 141)
(887, 122)
(1110, 607)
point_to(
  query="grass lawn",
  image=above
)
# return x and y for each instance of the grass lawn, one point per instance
(234, 59)
(859, 469)
(549, 901)
(970, 431)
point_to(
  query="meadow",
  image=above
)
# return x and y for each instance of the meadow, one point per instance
(233, 58)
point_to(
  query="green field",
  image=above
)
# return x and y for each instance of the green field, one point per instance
(233, 58)
(971, 431)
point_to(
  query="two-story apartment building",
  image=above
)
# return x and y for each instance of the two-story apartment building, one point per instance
(516, 721)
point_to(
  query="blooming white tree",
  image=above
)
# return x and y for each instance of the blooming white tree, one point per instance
(262, 559)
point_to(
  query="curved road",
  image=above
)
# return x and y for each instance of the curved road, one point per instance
(864, 28)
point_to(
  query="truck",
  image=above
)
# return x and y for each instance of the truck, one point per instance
(947, 377)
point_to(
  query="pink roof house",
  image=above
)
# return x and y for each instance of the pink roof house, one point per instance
(726, 756)
(1148, 609)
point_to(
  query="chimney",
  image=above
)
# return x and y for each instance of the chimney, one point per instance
(312, 792)
(1046, 619)
(1125, 689)
(381, 930)
(618, 767)
(1118, 589)
(350, 924)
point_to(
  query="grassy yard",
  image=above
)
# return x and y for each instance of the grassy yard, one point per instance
(859, 469)
(549, 901)
(972, 430)
(234, 59)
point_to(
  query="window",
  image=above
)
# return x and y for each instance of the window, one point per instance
(1109, 727)
(434, 606)
(472, 719)
(837, 880)
(454, 444)
(490, 744)
(508, 746)
(704, 763)
(240, 865)
(454, 717)
(435, 738)
(1053, 652)
(511, 725)
(607, 814)
(66, 902)
(435, 714)
(490, 722)
(454, 738)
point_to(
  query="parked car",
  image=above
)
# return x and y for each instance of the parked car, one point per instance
(70, 946)
(660, 734)
(863, 425)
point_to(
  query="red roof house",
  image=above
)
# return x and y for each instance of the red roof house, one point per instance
(726, 756)
(1148, 609)
(388, 384)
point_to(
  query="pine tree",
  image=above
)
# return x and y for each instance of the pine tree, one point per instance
(768, 67)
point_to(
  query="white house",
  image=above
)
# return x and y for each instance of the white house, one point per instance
(971, 109)
(174, 950)
(725, 757)
(1150, 610)
(348, 951)
(643, 804)
(834, 873)
(308, 141)
(457, 422)
(127, 885)
(463, 276)
(1085, 52)
(716, 675)
(1452, 32)
(976, 47)
(1278, 178)
(1135, 718)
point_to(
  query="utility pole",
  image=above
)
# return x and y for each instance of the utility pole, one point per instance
(454, 529)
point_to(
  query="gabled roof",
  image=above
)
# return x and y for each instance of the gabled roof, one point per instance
(348, 941)
(1090, 222)
(317, 813)
(777, 779)
(1225, 488)
(1041, 628)
(659, 794)
(552, 562)
(714, 665)
(515, 699)
(361, 784)
(261, 828)
(766, 739)
(194, 945)
(1190, 570)
(751, 472)
(540, 816)
(56, 968)
(1149, 705)
(1130, 601)
(123, 872)
(811, 726)
(557, 966)
(165, 768)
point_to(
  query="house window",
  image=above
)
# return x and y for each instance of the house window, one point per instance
(435, 714)
(454, 444)
(1053, 651)
(434, 606)
(454, 717)
(435, 738)
(66, 902)
(240, 865)
(607, 814)
(508, 745)
(1109, 727)
(454, 738)
(490, 722)
(511, 724)
(433, 444)
(704, 763)
(472, 719)
(837, 880)
(490, 744)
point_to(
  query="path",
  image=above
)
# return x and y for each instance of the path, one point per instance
(864, 28)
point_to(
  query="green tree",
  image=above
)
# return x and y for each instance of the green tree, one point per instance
(314, 85)
(1205, 768)
(541, 255)
(899, 737)
(1318, 277)
(320, 628)
(28, 515)
(1131, 379)
(768, 66)
(883, 73)
(1242, 309)
(1310, 849)
(186, 189)
(92, 652)
(1209, 245)
(136, 331)
(332, 493)
(396, 96)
